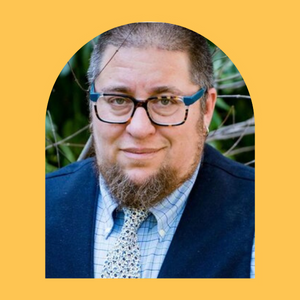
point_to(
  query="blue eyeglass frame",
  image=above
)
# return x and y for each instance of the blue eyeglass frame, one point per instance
(187, 100)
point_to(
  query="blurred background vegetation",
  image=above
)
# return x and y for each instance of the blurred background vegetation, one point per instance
(67, 117)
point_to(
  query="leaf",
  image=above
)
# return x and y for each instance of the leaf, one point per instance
(50, 168)
(222, 104)
(216, 121)
(66, 69)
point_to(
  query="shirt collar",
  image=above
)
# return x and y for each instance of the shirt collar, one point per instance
(165, 212)
(109, 206)
(172, 206)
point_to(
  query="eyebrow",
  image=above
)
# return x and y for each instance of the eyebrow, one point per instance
(118, 89)
(154, 91)
(166, 89)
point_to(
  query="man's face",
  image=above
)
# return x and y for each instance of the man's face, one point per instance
(139, 148)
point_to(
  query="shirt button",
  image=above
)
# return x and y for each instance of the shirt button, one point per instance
(107, 230)
(162, 233)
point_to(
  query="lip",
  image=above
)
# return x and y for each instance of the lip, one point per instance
(140, 153)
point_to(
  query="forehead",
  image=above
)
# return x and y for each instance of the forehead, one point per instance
(144, 67)
(112, 51)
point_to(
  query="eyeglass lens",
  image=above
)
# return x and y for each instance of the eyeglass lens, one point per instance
(163, 110)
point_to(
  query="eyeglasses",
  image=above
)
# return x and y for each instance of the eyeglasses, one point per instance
(161, 110)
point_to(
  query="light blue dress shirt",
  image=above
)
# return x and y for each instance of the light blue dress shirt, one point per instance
(154, 235)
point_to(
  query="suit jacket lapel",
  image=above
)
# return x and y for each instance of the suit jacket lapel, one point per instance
(215, 234)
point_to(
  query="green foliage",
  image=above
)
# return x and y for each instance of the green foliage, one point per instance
(67, 110)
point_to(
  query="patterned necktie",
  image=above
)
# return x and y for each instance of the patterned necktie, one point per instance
(123, 260)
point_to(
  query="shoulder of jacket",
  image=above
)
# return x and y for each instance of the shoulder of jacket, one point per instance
(214, 159)
(76, 167)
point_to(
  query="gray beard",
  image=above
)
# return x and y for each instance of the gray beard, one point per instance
(127, 193)
(153, 190)
(147, 194)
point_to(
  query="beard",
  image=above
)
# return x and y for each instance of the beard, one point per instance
(151, 191)
(146, 194)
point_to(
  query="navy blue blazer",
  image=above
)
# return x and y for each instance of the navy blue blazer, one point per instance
(213, 239)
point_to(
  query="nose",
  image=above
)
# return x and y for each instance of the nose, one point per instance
(140, 126)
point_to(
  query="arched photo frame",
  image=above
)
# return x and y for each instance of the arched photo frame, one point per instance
(67, 118)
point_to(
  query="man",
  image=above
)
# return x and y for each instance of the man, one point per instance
(156, 202)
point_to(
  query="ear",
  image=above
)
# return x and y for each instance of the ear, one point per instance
(210, 106)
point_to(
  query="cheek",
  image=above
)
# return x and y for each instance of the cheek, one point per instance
(104, 132)
(182, 149)
(105, 138)
(186, 145)
(179, 147)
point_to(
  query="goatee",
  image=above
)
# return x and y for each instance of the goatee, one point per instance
(153, 190)
(146, 194)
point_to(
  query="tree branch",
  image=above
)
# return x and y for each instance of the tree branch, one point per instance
(67, 138)
(232, 131)
(232, 85)
(238, 140)
(77, 81)
(240, 150)
(234, 96)
(228, 78)
(216, 50)
(86, 149)
(250, 162)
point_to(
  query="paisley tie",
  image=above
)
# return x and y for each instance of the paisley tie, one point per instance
(123, 260)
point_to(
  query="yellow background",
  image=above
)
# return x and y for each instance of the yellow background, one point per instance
(262, 40)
